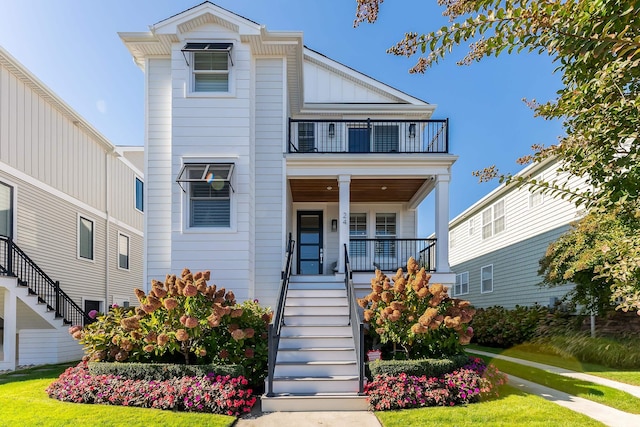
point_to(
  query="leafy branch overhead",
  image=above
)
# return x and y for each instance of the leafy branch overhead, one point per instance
(596, 47)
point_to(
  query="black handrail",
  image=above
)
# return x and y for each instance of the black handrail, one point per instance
(278, 321)
(16, 263)
(357, 326)
(388, 254)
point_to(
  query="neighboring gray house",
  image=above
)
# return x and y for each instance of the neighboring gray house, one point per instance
(495, 245)
(70, 221)
(253, 137)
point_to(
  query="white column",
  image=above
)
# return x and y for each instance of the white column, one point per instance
(10, 319)
(344, 183)
(442, 224)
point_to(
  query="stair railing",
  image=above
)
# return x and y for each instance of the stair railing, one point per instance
(357, 326)
(278, 321)
(16, 263)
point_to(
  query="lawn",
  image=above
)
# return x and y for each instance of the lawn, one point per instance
(529, 353)
(513, 408)
(23, 402)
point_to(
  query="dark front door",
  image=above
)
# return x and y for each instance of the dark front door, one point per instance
(359, 140)
(310, 252)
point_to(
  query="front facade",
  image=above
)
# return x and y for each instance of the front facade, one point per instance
(252, 138)
(496, 244)
(71, 216)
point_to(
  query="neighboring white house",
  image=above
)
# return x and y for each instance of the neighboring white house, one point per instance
(496, 244)
(252, 137)
(71, 218)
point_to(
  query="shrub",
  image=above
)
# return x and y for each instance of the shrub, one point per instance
(466, 385)
(499, 327)
(419, 317)
(418, 367)
(214, 394)
(161, 371)
(182, 320)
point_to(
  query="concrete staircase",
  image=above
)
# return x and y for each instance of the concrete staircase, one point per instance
(316, 366)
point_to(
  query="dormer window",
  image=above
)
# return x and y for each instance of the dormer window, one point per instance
(210, 65)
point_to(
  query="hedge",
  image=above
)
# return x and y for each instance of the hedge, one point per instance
(418, 367)
(161, 371)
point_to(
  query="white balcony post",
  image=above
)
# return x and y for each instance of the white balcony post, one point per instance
(442, 224)
(344, 183)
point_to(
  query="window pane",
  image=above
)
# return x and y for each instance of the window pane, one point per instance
(139, 194)
(210, 213)
(210, 61)
(312, 237)
(123, 251)
(310, 221)
(385, 138)
(358, 225)
(385, 224)
(6, 210)
(211, 82)
(86, 238)
(306, 137)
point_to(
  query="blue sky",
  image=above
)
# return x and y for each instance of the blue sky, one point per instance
(74, 48)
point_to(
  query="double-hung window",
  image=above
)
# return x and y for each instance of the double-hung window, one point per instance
(385, 138)
(306, 137)
(209, 189)
(210, 66)
(358, 228)
(462, 284)
(123, 251)
(85, 238)
(6, 210)
(486, 279)
(386, 249)
(493, 220)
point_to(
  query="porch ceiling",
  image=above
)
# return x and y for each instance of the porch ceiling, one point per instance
(361, 190)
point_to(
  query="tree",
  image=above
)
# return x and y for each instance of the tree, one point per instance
(596, 46)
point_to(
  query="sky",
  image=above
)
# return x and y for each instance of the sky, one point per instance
(73, 47)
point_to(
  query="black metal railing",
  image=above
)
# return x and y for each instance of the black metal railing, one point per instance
(388, 254)
(278, 320)
(16, 263)
(368, 136)
(357, 326)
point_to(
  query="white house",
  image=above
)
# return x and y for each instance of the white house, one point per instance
(253, 137)
(495, 245)
(70, 221)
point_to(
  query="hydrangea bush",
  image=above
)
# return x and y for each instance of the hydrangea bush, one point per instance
(418, 316)
(466, 385)
(213, 394)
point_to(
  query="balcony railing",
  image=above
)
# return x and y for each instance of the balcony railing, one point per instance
(390, 254)
(368, 136)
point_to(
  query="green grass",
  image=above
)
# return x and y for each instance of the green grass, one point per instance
(23, 402)
(513, 408)
(529, 352)
(594, 392)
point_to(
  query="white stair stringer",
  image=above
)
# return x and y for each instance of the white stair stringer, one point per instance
(316, 365)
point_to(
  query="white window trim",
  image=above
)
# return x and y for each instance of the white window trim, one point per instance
(482, 291)
(136, 178)
(492, 223)
(191, 93)
(456, 284)
(93, 237)
(185, 200)
(128, 251)
(532, 197)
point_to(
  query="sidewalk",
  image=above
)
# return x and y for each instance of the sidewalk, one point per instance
(605, 414)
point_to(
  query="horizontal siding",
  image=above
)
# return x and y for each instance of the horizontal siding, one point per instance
(515, 274)
(269, 176)
(122, 194)
(123, 282)
(61, 347)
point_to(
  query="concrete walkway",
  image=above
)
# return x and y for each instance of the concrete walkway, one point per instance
(309, 419)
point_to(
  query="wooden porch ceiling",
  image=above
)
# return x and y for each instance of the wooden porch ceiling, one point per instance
(361, 190)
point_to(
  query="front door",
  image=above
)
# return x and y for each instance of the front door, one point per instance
(310, 252)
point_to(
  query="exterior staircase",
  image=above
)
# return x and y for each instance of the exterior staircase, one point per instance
(316, 367)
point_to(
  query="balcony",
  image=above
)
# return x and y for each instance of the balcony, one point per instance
(389, 254)
(368, 136)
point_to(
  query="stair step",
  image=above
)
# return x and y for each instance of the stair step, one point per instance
(316, 331)
(316, 320)
(325, 301)
(305, 402)
(310, 385)
(316, 293)
(315, 354)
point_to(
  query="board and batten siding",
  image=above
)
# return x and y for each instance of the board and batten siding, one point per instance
(269, 178)
(159, 178)
(213, 128)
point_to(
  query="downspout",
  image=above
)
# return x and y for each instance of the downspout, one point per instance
(107, 231)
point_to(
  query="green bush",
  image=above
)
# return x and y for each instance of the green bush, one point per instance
(499, 327)
(161, 371)
(418, 367)
(612, 353)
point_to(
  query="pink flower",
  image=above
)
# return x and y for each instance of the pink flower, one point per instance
(92, 314)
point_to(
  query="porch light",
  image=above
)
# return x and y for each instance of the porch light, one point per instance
(329, 187)
(334, 225)
(412, 130)
(384, 187)
(332, 130)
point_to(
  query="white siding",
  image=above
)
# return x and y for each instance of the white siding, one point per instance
(269, 176)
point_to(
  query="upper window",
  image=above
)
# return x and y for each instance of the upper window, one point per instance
(486, 279)
(210, 66)
(123, 251)
(358, 228)
(471, 227)
(139, 190)
(452, 239)
(493, 220)
(536, 198)
(306, 137)
(6, 210)
(85, 238)
(462, 284)
(385, 138)
(209, 190)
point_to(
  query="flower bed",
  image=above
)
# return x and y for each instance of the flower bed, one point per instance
(462, 386)
(210, 393)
